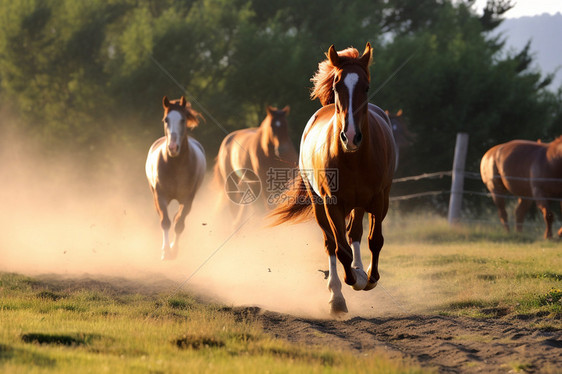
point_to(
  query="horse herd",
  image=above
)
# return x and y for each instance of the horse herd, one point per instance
(348, 155)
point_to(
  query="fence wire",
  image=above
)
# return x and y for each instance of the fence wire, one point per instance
(468, 175)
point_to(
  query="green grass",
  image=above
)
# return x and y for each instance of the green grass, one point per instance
(45, 328)
(472, 270)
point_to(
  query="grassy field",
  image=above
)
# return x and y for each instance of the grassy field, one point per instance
(50, 325)
(477, 271)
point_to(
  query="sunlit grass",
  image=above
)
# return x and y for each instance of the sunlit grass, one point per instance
(470, 270)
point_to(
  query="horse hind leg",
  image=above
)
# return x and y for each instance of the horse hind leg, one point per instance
(502, 213)
(560, 229)
(355, 277)
(548, 217)
(521, 209)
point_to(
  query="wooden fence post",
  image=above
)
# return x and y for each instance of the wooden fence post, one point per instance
(457, 183)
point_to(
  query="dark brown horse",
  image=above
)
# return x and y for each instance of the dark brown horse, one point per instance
(175, 168)
(266, 152)
(347, 160)
(529, 170)
(402, 135)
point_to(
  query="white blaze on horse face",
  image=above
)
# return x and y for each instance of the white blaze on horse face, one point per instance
(350, 81)
(176, 124)
(277, 123)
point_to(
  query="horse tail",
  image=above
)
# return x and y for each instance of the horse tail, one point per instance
(294, 204)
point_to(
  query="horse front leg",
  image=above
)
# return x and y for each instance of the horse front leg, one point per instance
(165, 223)
(337, 302)
(355, 277)
(179, 227)
(354, 234)
(376, 239)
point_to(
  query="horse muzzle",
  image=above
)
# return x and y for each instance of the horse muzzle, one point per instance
(354, 144)
(173, 149)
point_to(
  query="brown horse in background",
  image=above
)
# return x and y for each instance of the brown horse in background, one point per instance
(266, 152)
(402, 135)
(347, 161)
(529, 170)
(175, 168)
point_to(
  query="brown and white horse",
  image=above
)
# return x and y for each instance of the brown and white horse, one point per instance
(175, 168)
(347, 161)
(529, 170)
(267, 151)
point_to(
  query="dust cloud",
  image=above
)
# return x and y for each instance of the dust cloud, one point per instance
(68, 218)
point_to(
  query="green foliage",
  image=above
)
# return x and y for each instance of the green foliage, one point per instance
(457, 81)
(87, 74)
(552, 297)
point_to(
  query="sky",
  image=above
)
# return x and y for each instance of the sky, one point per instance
(524, 8)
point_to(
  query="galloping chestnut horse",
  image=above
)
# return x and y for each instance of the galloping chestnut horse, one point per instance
(529, 170)
(175, 168)
(347, 160)
(266, 150)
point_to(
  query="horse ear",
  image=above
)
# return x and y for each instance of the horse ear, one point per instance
(270, 109)
(165, 102)
(183, 102)
(367, 55)
(387, 112)
(333, 56)
(287, 110)
(399, 113)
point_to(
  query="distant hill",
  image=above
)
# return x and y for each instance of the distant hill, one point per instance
(545, 34)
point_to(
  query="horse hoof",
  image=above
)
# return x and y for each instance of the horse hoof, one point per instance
(370, 285)
(169, 255)
(361, 280)
(338, 307)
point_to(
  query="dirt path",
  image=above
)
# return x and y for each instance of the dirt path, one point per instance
(449, 344)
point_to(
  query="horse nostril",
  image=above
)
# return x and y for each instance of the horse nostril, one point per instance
(343, 137)
(358, 138)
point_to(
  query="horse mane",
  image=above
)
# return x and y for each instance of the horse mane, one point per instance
(324, 77)
(554, 150)
(557, 140)
(192, 116)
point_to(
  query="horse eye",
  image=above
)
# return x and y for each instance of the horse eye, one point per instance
(166, 119)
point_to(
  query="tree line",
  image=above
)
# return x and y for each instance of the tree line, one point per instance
(94, 72)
